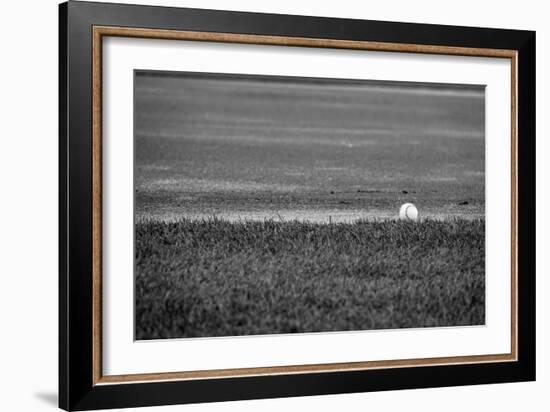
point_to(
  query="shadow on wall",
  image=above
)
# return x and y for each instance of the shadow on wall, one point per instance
(49, 398)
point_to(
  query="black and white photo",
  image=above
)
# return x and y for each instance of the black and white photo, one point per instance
(258, 205)
(276, 205)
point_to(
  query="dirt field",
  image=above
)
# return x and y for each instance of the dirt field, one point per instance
(252, 150)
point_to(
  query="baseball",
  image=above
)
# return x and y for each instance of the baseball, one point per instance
(408, 211)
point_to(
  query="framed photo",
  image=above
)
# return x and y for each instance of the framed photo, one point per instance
(257, 205)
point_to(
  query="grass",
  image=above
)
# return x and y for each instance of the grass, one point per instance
(221, 278)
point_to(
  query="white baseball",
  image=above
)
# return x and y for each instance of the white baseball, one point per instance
(408, 211)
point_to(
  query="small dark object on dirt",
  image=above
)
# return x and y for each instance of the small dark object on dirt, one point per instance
(404, 192)
(463, 203)
(332, 192)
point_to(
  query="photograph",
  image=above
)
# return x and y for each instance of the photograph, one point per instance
(275, 205)
(259, 204)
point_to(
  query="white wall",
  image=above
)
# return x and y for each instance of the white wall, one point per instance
(28, 203)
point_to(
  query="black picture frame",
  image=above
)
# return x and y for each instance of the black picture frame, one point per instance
(77, 389)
